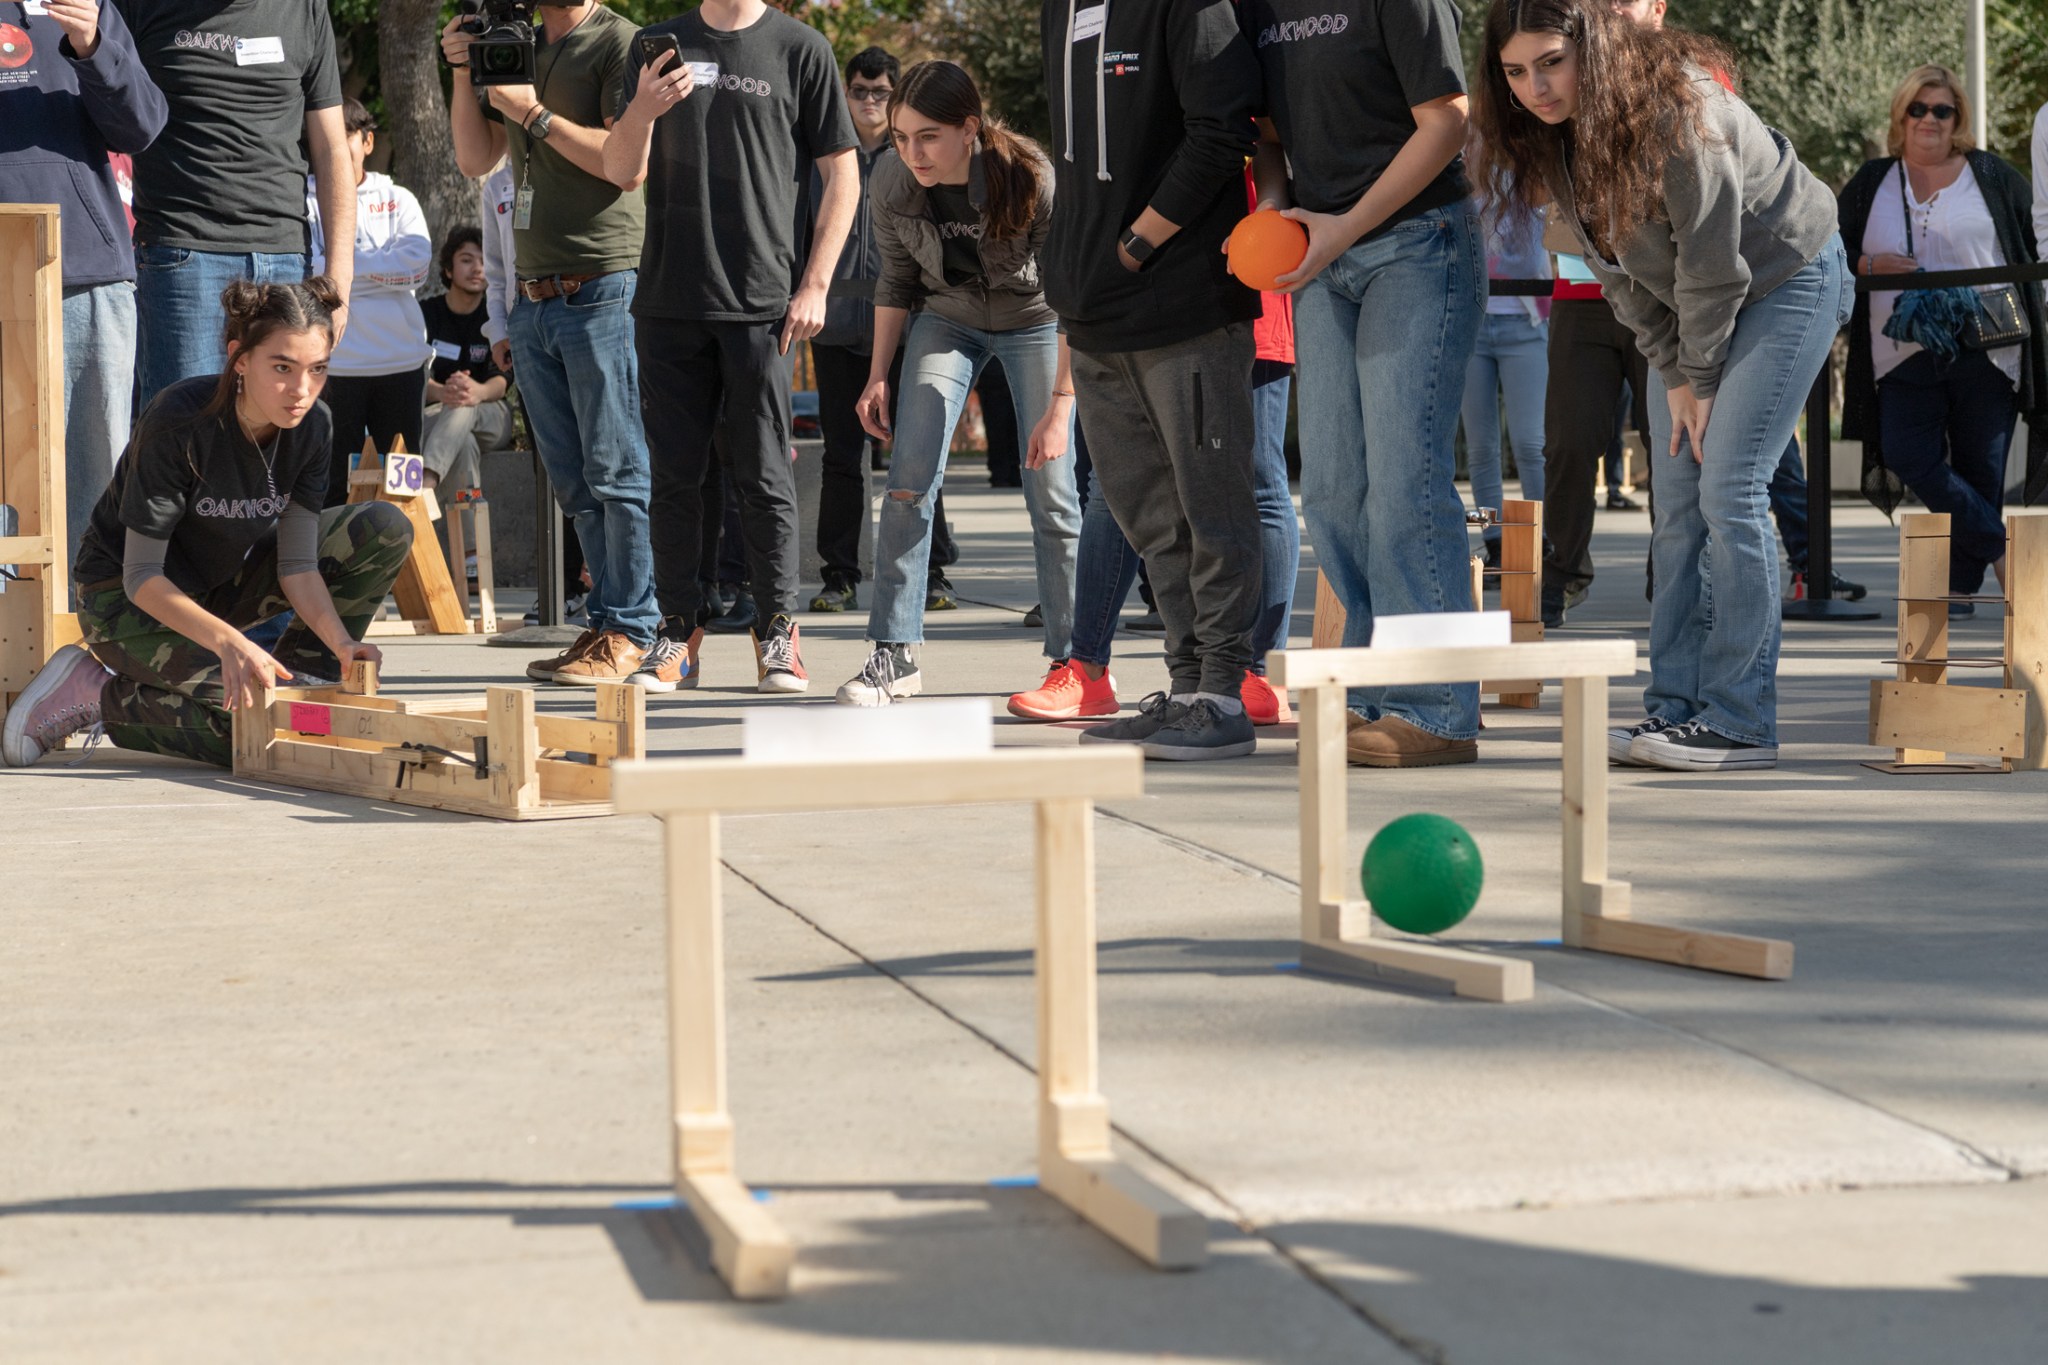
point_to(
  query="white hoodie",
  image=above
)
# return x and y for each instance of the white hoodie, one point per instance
(386, 334)
(500, 286)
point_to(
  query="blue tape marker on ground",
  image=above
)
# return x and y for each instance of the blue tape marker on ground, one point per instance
(1014, 1182)
(1287, 966)
(761, 1196)
(641, 1205)
(1546, 943)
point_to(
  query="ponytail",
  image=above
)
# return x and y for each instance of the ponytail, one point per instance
(1012, 164)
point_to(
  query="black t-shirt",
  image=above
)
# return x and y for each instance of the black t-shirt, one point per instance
(198, 482)
(240, 76)
(960, 227)
(1341, 79)
(730, 165)
(458, 340)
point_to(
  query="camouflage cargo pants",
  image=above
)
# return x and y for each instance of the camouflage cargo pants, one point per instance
(166, 696)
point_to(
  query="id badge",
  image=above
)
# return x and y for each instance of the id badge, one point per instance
(1089, 23)
(522, 209)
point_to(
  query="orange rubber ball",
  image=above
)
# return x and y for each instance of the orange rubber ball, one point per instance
(1265, 246)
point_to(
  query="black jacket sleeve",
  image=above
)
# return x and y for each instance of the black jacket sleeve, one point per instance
(1218, 82)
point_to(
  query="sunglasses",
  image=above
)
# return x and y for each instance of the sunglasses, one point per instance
(868, 94)
(1944, 112)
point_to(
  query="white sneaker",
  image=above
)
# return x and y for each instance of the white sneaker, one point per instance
(1693, 748)
(889, 675)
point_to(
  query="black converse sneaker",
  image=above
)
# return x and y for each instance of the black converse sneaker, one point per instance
(1153, 712)
(1203, 730)
(1692, 748)
(889, 675)
(1620, 737)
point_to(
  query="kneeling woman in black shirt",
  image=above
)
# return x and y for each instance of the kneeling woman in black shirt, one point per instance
(211, 525)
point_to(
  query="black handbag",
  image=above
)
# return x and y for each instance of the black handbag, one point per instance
(1990, 318)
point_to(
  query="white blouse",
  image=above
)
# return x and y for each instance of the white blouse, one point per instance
(1952, 230)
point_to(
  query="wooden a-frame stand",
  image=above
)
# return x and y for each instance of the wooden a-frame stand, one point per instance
(428, 603)
(35, 616)
(1075, 1162)
(491, 755)
(1924, 718)
(1337, 931)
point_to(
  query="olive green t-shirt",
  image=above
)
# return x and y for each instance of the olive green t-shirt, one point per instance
(581, 224)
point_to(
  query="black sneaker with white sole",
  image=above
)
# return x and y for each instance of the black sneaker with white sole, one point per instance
(891, 674)
(1153, 712)
(1202, 730)
(1620, 737)
(1691, 747)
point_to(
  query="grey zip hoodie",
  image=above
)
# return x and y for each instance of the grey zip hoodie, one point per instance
(1742, 216)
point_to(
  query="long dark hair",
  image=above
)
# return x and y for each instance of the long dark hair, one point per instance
(1011, 162)
(1637, 108)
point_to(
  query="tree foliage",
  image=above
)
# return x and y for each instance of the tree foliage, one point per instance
(998, 42)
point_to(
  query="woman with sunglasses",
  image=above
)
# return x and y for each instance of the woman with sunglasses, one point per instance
(1940, 418)
(1719, 251)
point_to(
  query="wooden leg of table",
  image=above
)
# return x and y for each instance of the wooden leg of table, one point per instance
(514, 747)
(625, 706)
(2026, 627)
(1075, 1162)
(1323, 866)
(1587, 891)
(458, 552)
(750, 1252)
(254, 733)
(486, 585)
(360, 678)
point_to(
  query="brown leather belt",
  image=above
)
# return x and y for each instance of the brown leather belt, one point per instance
(556, 286)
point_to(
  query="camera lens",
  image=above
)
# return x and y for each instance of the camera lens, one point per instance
(501, 59)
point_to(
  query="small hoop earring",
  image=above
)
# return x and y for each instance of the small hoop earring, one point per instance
(1517, 103)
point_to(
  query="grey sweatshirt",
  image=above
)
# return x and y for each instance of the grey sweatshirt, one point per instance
(1742, 216)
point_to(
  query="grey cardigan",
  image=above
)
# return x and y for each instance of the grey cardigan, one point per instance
(1742, 216)
(1008, 296)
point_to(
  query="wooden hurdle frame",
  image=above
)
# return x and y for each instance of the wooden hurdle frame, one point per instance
(1337, 931)
(492, 755)
(36, 619)
(1076, 1165)
(1921, 715)
(428, 602)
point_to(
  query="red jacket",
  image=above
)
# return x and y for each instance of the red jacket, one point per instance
(1274, 331)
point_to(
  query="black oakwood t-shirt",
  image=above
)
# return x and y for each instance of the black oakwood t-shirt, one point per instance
(1341, 79)
(960, 228)
(240, 76)
(458, 340)
(730, 164)
(198, 482)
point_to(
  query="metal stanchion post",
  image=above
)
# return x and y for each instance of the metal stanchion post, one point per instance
(1820, 603)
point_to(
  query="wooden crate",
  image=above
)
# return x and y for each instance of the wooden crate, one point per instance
(35, 616)
(492, 755)
(1075, 1162)
(1338, 930)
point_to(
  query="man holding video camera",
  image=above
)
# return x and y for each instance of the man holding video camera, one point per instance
(551, 100)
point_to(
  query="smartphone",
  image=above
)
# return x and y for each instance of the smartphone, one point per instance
(652, 45)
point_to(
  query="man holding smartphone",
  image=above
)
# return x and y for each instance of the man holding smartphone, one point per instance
(726, 111)
(576, 245)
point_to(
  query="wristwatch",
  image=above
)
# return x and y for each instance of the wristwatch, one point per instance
(1140, 249)
(538, 129)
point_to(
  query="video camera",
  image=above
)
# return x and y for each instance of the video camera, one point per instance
(502, 50)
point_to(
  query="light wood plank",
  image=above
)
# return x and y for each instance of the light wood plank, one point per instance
(486, 584)
(1735, 954)
(1066, 973)
(734, 785)
(1298, 669)
(1156, 1227)
(749, 1249)
(515, 750)
(1322, 761)
(1946, 718)
(2026, 618)
(1477, 976)
(1584, 726)
(1326, 630)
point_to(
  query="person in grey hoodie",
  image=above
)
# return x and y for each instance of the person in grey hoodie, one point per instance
(76, 90)
(1152, 105)
(1719, 251)
(961, 212)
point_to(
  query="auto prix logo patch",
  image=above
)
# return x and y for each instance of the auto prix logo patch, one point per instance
(15, 48)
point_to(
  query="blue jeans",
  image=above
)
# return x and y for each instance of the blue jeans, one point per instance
(1279, 529)
(580, 378)
(1714, 654)
(1382, 338)
(1787, 494)
(1946, 428)
(99, 389)
(177, 302)
(1103, 572)
(941, 362)
(1512, 356)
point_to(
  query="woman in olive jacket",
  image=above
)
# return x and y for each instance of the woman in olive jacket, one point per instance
(1965, 405)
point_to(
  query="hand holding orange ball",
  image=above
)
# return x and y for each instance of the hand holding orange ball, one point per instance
(1264, 246)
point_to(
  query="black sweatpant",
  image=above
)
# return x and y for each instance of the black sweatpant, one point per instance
(723, 382)
(1592, 354)
(377, 407)
(1170, 432)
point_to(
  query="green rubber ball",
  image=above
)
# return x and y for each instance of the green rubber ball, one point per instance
(1422, 873)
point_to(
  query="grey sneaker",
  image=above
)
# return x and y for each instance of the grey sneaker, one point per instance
(1693, 748)
(1153, 712)
(63, 699)
(1202, 730)
(890, 675)
(1621, 737)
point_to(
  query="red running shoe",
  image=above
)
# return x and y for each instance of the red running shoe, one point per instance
(1067, 694)
(1261, 702)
